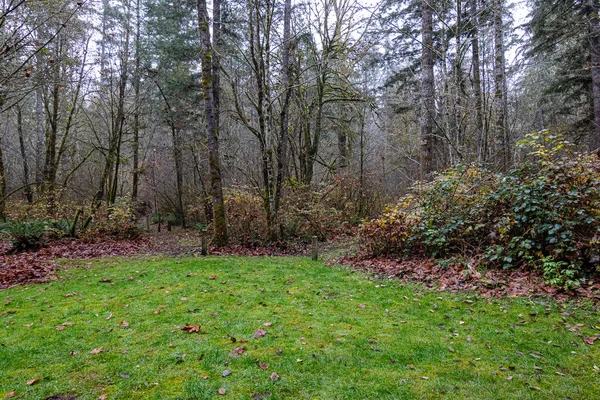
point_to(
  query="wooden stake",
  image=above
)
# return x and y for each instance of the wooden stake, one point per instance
(315, 248)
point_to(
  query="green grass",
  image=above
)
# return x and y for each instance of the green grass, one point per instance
(406, 343)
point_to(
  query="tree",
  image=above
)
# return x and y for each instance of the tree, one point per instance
(427, 91)
(219, 219)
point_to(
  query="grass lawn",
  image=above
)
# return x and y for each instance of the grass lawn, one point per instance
(330, 334)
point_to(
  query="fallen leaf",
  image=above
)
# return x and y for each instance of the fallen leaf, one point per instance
(267, 324)
(227, 372)
(274, 376)
(260, 333)
(262, 365)
(9, 395)
(191, 328)
(213, 277)
(222, 391)
(237, 351)
(33, 381)
(97, 351)
(590, 339)
(29, 325)
(60, 327)
(102, 397)
(124, 324)
(7, 302)
(109, 316)
(105, 280)
(184, 299)
(362, 306)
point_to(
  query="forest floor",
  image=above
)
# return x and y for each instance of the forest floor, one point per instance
(455, 275)
(156, 327)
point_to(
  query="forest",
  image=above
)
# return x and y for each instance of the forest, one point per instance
(433, 127)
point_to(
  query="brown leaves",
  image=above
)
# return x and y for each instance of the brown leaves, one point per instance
(125, 324)
(237, 351)
(274, 376)
(590, 339)
(222, 391)
(38, 265)
(213, 277)
(267, 324)
(259, 333)
(262, 365)
(10, 395)
(33, 381)
(97, 351)
(191, 328)
(493, 283)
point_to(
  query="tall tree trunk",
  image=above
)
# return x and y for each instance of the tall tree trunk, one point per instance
(595, 60)
(2, 186)
(502, 134)
(283, 137)
(27, 188)
(135, 145)
(40, 136)
(177, 157)
(427, 91)
(481, 144)
(342, 139)
(119, 121)
(219, 219)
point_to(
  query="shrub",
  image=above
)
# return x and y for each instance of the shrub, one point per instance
(25, 235)
(246, 218)
(544, 214)
(118, 221)
(307, 213)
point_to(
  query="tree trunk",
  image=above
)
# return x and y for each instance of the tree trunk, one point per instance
(283, 137)
(595, 60)
(2, 186)
(427, 92)
(219, 219)
(135, 145)
(27, 188)
(502, 134)
(481, 144)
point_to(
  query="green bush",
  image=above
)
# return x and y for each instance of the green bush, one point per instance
(544, 214)
(26, 235)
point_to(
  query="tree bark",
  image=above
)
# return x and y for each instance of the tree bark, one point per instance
(219, 219)
(135, 145)
(28, 192)
(501, 105)
(481, 143)
(283, 137)
(427, 92)
(595, 66)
